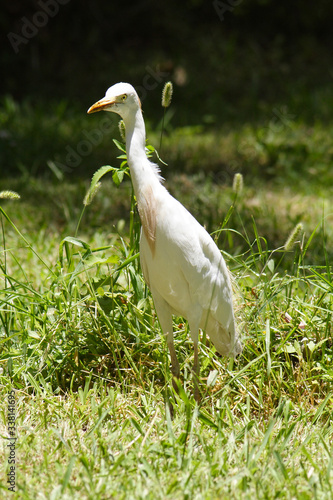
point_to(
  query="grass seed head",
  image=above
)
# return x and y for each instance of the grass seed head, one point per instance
(91, 194)
(293, 237)
(238, 183)
(122, 130)
(167, 94)
(9, 195)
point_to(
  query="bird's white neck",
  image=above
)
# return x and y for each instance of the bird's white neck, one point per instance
(142, 171)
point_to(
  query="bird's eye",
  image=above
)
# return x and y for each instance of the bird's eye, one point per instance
(124, 97)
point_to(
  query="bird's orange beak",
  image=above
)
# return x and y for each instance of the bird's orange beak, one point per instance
(100, 105)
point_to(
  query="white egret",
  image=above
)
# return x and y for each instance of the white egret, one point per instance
(181, 264)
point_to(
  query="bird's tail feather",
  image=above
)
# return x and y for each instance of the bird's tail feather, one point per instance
(226, 343)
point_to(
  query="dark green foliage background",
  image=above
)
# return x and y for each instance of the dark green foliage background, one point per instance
(262, 53)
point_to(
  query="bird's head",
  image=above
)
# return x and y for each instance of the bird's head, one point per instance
(121, 98)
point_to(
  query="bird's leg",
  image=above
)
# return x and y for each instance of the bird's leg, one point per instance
(196, 371)
(175, 370)
(165, 317)
(194, 322)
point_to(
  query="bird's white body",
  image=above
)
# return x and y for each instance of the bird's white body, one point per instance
(186, 271)
(181, 264)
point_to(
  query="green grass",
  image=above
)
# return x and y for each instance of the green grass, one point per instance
(82, 347)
